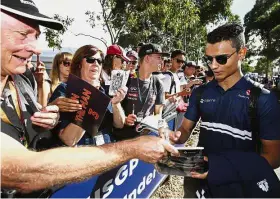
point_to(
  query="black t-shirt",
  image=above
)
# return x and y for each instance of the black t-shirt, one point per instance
(142, 96)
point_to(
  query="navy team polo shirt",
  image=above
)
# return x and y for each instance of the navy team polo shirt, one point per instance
(225, 119)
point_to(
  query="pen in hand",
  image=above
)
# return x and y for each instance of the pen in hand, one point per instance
(132, 109)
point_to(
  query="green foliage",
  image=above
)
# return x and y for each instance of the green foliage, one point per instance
(246, 68)
(212, 11)
(263, 23)
(264, 66)
(54, 37)
(171, 23)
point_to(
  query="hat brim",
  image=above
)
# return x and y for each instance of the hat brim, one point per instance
(163, 54)
(42, 19)
(125, 58)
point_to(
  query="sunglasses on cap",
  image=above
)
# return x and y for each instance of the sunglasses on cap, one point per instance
(179, 61)
(220, 59)
(132, 62)
(66, 63)
(91, 60)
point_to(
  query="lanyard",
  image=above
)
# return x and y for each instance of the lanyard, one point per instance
(18, 109)
(139, 92)
(4, 117)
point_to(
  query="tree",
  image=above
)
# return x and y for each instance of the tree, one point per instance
(246, 68)
(171, 23)
(212, 11)
(53, 37)
(263, 24)
(263, 66)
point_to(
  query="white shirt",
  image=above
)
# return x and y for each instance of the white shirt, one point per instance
(167, 83)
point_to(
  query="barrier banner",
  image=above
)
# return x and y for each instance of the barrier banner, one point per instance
(134, 179)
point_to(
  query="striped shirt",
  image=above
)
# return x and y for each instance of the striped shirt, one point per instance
(225, 118)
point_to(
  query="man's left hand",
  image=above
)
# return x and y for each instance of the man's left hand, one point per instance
(47, 118)
(201, 176)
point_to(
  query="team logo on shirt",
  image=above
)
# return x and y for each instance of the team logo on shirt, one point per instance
(132, 94)
(263, 185)
(248, 92)
(207, 100)
(133, 88)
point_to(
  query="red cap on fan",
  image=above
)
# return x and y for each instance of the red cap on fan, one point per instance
(117, 50)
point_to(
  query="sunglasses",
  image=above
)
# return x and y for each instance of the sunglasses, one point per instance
(66, 63)
(221, 59)
(179, 61)
(132, 62)
(91, 60)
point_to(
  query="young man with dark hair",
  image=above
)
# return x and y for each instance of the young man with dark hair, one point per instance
(171, 81)
(145, 95)
(226, 122)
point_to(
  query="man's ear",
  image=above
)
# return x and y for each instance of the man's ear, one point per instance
(242, 53)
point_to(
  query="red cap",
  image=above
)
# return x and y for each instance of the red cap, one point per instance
(117, 50)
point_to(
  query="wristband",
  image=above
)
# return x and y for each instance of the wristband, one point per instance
(162, 123)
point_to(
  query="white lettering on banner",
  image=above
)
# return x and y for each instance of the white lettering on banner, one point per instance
(149, 178)
(123, 173)
(141, 187)
(107, 188)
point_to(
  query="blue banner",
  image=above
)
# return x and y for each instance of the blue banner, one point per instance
(134, 179)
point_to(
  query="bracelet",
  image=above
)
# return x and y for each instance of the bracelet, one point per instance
(162, 123)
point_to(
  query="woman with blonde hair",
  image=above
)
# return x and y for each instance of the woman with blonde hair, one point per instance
(60, 69)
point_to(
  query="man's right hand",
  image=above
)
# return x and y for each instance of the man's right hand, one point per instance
(171, 136)
(151, 149)
(130, 119)
(67, 104)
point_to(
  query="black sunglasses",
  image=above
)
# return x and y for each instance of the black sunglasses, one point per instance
(221, 59)
(132, 62)
(179, 61)
(66, 63)
(91, 60)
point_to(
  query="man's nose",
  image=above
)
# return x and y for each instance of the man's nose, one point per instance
(31, 45)
(214, 64)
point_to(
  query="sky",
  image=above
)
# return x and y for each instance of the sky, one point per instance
(76, 9)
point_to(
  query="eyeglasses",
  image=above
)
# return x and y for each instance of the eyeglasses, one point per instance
(66, 63)
(179, 61)
(132, 62)
(221, 59)
(91, 60)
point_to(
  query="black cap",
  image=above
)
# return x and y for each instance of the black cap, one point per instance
(148, 49)
(28, 9)
(140, 44)
(191, 64)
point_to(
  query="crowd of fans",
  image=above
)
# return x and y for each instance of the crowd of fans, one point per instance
(177, 75)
